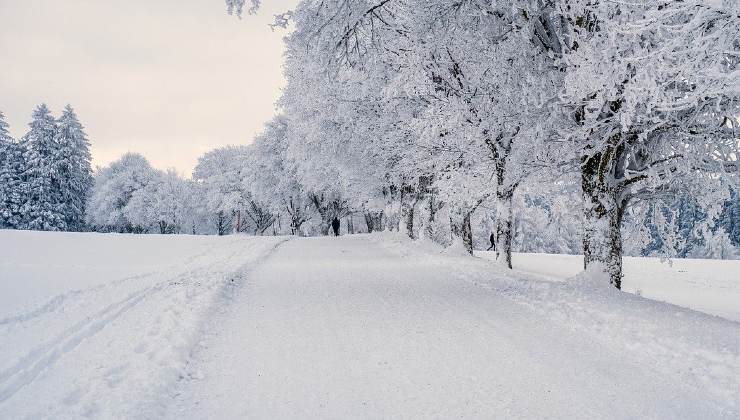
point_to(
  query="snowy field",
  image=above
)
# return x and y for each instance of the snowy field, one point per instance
(96, 325)
(709, 286)
(364, 326)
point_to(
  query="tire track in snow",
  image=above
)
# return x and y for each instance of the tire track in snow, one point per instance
(57, 302)
(38, 360)
(194, 290)
(219, 308)
(35, 362)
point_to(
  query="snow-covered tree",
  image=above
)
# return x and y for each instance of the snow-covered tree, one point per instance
(237, 6)
(163, 205)
(489, 91)
(421, 109)
(11, 183)
(652, 105)
(218, 176)
(43, 206)
(73, 167)
(716, 245)
(113, 188)
(271, 176)
(730, 217)
(545, 219)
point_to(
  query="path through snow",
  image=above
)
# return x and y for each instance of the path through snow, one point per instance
(356, 328)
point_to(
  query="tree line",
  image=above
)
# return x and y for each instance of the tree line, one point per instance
(45, 176)
(583, 126)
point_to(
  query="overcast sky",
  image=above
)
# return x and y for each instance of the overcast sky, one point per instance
(170, 79)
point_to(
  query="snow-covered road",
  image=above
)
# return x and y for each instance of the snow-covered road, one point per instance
(356, 328)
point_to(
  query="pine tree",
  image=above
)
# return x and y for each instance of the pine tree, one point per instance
(73, 168)
(730, 217)
(43, 208)
(11, 167)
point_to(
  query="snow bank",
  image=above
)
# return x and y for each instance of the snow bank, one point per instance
(709, 286)
(699, 349)
(98, 325)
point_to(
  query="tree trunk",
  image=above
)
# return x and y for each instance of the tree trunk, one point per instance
(603, 165)
(326, 217)
(350, 225)
(602, 244)
(369, 222)
(467, 233)
(238, 226)
(504, 227)
(296, 221)
(407, 213)
(221, 223)
(295, 226)
(603, 209)
(297, 216)
(374, 221)
(462, 228)
(325, 226)
(433, 207)
(379, 221)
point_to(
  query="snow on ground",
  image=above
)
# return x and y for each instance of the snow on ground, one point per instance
(363, 326)
(378, 327)
(709, 286)
(96, 325)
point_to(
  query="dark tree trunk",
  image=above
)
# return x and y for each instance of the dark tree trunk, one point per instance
(467, 233)
(369, 222)
(407, 213)
(297, 216)
(239, 225)
(462, 228)
(504, 227)
(603, 206)
(500, 151)
(323, 210)
(295, 226)
(433, 207)
(221, 223)
(374, 221)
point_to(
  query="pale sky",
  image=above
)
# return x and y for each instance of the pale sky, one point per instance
(170, 79)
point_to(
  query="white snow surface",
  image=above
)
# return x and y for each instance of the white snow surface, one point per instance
(99, 326)
(362, 326)
(709, 286)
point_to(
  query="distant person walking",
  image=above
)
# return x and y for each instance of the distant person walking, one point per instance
(335, 226)
(493, 242)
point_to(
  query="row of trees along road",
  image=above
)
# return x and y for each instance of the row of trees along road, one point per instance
(429, 109)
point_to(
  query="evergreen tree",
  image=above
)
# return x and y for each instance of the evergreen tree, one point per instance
(73, 168)
(730, 217)
(11, 167)
(43, 207)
